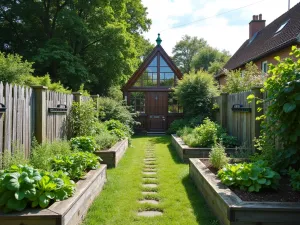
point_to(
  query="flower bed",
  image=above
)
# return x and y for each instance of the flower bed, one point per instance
(68, 212)
(231, 210)
(112, 156)
(185, 152)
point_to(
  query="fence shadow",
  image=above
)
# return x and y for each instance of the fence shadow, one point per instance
(200, 208)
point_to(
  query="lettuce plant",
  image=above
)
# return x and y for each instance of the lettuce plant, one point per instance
(251, 177)
(84, 143)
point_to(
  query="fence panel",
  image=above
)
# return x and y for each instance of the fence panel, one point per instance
(56, 123)
(15, 124)
(216, 112)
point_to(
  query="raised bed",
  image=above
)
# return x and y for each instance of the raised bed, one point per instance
(68, 212)
(185, 152)
(112, 156)
(231, 210)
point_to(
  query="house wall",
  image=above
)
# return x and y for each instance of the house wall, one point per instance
(283, 53)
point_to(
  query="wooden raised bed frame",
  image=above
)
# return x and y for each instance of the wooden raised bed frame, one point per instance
(112, 156)
(185, 152)
(231, 210)
(68, 212)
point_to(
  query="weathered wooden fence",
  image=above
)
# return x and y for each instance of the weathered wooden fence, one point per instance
(238, 116)
(33, 112)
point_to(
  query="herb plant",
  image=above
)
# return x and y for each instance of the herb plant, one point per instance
(75, 164)
(86, 144)
(217, 156)
(295, 179)
(251, 177)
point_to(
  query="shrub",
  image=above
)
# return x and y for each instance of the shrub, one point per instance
(24, 185)
(251, 177)
(41, 154)
(105, 140)
(177, 125)
(217, 156)
(86, 144)
(82, 119)
(228, 141)
(115, 127)
(75, 164)
(281, 120)
(235, 82)
(295, 179)
(110, 109)
(184, 131)
(114, 92)
(8, 158)
(195, 92)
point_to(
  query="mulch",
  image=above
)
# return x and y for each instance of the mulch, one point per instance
(284, 193)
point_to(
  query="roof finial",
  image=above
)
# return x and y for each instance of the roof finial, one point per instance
(158, 40)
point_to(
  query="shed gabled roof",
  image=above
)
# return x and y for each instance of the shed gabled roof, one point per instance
(147, 61)
(269, 40)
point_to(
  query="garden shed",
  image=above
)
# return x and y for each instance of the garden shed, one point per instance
(149, 91)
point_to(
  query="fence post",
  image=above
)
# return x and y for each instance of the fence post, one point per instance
(40, 113)
(77, 97)
(255, 124)
(223, 109)
(96, 100)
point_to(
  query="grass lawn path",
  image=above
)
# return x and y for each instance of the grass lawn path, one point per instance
(150, 170)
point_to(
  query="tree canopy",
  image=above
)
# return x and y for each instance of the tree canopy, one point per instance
(95, 42)
(194, 53)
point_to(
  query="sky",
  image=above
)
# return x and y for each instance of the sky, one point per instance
(226, 31)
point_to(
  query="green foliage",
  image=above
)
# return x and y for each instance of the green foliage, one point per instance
(206, 135)
(177, 125)
(295, 179)
(13, 68)
(7, 159)
(82, 119)
(84, 143)
(114, 92)
(281, 120)
(105, 140)
(185, 50)
(118, 129)
(111, 109)
(251, 177)
(195, 92)
(238, 81)
(98, 44)
(75, 164)
(24, 185)
(210, 59)
(41, 154)
(217, 156)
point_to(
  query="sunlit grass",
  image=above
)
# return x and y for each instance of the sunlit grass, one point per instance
(178, 198)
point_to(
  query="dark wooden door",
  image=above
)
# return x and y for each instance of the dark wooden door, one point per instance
(157, 110)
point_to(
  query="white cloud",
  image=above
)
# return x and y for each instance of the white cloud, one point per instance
(217, 31)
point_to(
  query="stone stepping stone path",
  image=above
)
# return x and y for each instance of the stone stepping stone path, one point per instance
(149, 182)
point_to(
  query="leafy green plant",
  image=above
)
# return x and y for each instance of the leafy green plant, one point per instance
(41, 154)
(75, 164)
(217, 156)
(195, 92)
(177, 125)
(251, 177)
(184, 131)
(115, 127)
(82, 119)
(295, 179)
(280, 135)
(105, 140)
(8, 158)
(24, 185)
(86, 144)
(228, 141)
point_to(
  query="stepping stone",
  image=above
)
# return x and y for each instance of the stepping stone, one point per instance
(149, 213)
(149, 173)
(154, 202)
(149, 170)
(149, 178)
(150, 185)
(149, 159)
(149, 192)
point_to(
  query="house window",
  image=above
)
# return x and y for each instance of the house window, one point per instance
(264, 67)
(137, 101)
(173, 105)
(167, 77)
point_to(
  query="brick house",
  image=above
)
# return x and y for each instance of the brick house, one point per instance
(266, 42)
